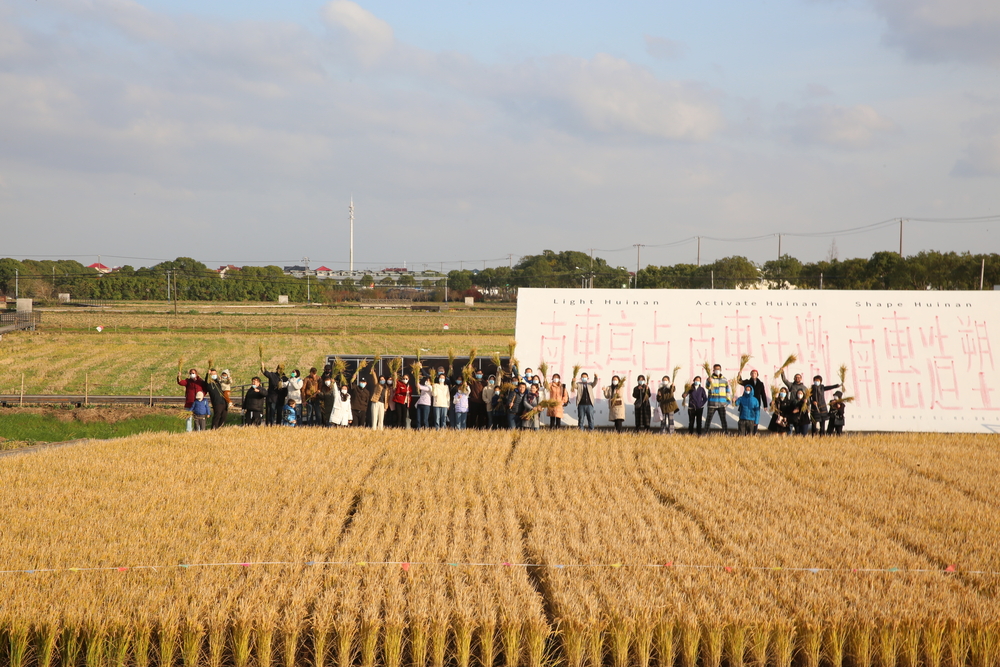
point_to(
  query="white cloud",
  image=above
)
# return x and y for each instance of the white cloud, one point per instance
(854, 127)
(369, 37)
(610, 96)
(939, 30)
(662, 48)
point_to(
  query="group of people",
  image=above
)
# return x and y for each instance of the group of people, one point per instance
(795, 408)
(440, 398)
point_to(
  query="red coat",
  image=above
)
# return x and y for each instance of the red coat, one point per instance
(192, 387)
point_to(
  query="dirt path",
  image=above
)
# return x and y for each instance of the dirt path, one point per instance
(39, 447)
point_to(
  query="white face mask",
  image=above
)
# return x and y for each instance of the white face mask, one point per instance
(327, 383)
(642, 382)
(614, 383)
(584, 378)
(214, 376)
(194, 376)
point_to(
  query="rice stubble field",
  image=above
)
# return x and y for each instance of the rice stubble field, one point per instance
(342, 548)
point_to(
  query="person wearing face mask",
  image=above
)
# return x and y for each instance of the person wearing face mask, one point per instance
(749, 408)
(294, 386)
(460, 403)
(478, 418)
(515, 405)
(799, 413)
(440, 402)
(527, 377)
(325, 397)
(819, 413)
(379, 400)
(615, 395)
(759, 390)
(780, 412)
(529, 408)
(424, 402)
(696, 398)
(557, 393)
(586, 395)
(489, 390)
(253, 403)
(667, 403)
(720, 395)
(192, 385)
(220, 406)
(401, 401)
(360, 399)
(640, 397)
(342, 414)
(837, 408)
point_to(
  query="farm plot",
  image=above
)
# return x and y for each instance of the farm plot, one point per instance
(337, 548)
(136, 354)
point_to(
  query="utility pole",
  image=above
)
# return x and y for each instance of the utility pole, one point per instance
(900, 237)
(699, 251)
(168, 286)
(982, 273)
(591, 268)
(175, 292)
(17, 284)
(308, 291)
(779, 246)
(638, 248)
(510, 261)
(350, 210)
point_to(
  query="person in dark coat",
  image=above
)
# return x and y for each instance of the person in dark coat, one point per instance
(220, 406)
(253, 403)
(361, 397)
(326, 399)
(780, 410)
(274, 399)
(819, 413)
(696, 398)
(640, 397)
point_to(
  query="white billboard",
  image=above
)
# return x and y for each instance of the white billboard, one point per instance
(916, 361)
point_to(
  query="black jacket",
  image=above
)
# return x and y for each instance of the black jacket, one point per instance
(254, 399)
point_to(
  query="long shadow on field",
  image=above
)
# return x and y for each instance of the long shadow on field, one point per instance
(985, 589)
(536, 572)
(355, 505)
(671, 502)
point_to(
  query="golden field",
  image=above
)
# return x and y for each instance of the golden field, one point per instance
(337, 548)
(136, 349)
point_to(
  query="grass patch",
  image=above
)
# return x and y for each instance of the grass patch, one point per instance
(22, 427)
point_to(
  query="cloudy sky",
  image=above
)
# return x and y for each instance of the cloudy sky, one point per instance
(237, 131)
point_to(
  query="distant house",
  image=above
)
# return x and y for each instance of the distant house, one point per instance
(324, 272)
(100, 268)
(223, 270)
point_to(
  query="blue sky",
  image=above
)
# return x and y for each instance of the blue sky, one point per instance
(238, 131)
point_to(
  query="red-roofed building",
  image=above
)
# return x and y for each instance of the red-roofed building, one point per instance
(223, 270)
(324, 272)
(100, 268)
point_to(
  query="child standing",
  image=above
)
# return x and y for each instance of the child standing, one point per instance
(291, 417)
(837, 406)
(200, 411)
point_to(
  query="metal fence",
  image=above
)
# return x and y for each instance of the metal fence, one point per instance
(15, 321)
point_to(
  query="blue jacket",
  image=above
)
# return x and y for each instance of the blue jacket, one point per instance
(749, 408)
(200, 408)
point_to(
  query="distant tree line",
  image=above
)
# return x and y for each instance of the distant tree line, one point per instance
(193, 281)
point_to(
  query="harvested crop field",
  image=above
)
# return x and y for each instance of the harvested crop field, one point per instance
(271, 547)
